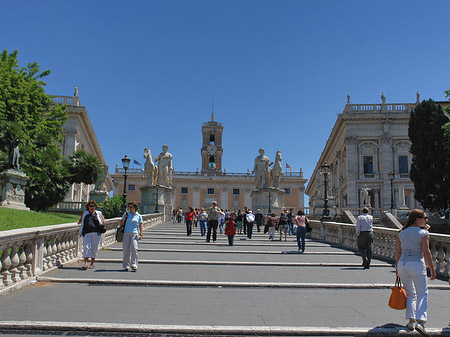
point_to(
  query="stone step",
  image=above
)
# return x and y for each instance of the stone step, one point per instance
(115, 329)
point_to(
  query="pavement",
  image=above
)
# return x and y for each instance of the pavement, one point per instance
(187, 287)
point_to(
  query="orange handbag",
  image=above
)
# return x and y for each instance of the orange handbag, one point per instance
(398, 296)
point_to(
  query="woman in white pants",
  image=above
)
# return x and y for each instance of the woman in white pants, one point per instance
(92, 227)
(413, 255)
(132, 233)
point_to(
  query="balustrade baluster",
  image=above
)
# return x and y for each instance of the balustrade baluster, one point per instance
(29, 259)
(22, 259)
(14, 263)
(6, 264)
(47, 255)
(440, 265)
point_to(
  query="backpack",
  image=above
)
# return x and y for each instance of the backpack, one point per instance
(250, 217)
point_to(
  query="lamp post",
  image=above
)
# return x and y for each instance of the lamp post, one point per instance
(270, 203)
(325, 172)
(125, 165)
(391, 178)
(156, 202)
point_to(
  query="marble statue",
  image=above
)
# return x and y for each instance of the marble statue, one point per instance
(383, 98)
(417, 98)
(261, 169)
(365, 198)
(348, 99)
(164, 160)
(150, 169)
(14, 155)
(276, 171)
(76, 91)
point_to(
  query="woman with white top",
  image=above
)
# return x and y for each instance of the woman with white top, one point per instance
(413, 255)
(92, 227)
(132, 233)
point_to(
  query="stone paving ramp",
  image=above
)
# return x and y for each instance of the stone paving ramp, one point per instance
(187, 287)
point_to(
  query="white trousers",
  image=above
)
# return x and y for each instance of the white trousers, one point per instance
(130, 250)
(90, 244)
(414, 278)
(271, 232)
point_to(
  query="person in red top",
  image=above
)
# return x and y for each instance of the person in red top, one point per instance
(230, 229)
(189, 216)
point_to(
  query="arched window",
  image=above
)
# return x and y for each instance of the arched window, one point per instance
(212, 139)
(212, 159)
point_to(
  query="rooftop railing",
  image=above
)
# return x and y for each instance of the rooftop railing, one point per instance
(379, 108)
(69, 100)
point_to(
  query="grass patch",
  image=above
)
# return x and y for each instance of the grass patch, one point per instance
(14, 219)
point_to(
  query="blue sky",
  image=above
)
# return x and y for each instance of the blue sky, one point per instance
(278, 71)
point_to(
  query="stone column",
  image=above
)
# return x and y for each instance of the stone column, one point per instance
(224, 199)
(352, 168)
(196, 197)
(401, 192)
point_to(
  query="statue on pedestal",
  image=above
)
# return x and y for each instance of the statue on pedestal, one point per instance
(261, 169)
(14, 155)
(365, 198)
(164, 160)
(150, 169)
(276, 171)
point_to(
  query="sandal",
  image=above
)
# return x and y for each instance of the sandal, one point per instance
(84, 268)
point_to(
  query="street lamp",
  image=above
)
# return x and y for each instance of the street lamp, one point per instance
(325, 172)
(391, 178)
(125, 165)
(270, 202)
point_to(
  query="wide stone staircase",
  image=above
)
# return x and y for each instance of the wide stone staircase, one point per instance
(187, 287)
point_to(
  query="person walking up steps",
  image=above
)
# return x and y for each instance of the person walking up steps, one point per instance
(213, 215)
(230, 229)
(364, 230)
(133, 232)
(300, 223)
(413, 255)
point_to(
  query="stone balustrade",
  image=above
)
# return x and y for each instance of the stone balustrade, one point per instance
(29, 252)
(384, 246)
(379, 108)
(69, 100)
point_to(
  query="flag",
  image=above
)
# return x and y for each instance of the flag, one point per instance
(136, 162)
(212, 165)
(288, 167)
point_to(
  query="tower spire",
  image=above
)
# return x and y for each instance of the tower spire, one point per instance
(212, 109)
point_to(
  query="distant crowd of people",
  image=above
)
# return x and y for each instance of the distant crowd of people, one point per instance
(242, 222)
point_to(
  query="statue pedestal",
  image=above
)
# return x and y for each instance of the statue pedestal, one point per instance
(156, 195)
(98, 196)
(12, 189)
(268, 198)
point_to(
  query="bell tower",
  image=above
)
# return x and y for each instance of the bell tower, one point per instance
(212, 150)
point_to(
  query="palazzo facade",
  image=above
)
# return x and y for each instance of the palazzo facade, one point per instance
(232, 191)
(367, 142)
(80, 135)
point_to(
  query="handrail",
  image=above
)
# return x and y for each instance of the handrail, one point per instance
(29, 252)
(385, 242)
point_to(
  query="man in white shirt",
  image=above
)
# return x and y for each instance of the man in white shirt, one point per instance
(364, 230)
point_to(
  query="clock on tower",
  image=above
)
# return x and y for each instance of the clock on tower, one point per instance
(212, 146)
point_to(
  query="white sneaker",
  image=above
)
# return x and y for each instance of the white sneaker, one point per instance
(411, 326)
(420, 328)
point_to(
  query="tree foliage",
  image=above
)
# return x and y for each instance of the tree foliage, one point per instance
(27, 114)
(430, 167)
(84, 167)
(111, 207)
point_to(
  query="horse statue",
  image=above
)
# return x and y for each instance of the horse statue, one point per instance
(150, 169)
(276, 171)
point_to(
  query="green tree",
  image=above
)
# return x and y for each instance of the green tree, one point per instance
(430, 167)
(27, 114)
(84, 167)
(111, 207)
